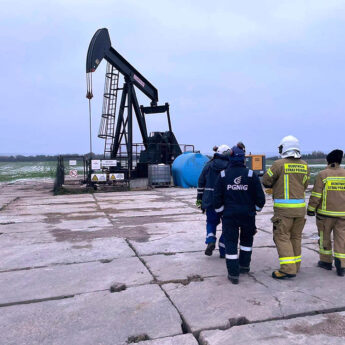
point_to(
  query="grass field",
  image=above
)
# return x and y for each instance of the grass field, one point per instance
(16, 171)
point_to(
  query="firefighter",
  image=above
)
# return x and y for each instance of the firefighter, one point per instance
(238, 195)
(328, 201)
(288, 177)
(204, 200)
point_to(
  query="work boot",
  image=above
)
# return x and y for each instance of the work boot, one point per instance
(210, 248)
(282, 275)
(233, 280)
(244, 269)
(340, 270)
(325, 265)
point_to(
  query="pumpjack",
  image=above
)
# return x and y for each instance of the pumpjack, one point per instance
(117, 127)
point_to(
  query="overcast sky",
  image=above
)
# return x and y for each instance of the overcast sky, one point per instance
(231, 70)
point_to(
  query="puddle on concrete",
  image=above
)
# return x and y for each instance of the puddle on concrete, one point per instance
(142, 220)
(137, 209)
(137, 233)
(56, 218)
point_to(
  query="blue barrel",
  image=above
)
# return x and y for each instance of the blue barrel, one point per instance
(187, 168)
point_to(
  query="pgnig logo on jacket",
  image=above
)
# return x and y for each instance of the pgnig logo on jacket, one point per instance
(237, 184)
(238, 180)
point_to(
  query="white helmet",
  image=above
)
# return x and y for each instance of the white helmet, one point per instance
(222, 149)
(289, 147)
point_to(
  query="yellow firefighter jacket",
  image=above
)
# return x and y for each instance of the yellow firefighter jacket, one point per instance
(328, 195)
(288, 177)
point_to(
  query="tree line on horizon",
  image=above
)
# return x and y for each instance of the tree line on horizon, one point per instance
(306, 156)
(47, 158)
(50, 158)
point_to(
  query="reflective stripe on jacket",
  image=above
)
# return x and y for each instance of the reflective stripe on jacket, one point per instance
(328, 195)
(288, 178)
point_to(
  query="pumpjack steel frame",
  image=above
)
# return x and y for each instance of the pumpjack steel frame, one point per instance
(100, 48)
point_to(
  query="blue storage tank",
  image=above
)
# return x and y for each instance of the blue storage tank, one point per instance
(187, 168)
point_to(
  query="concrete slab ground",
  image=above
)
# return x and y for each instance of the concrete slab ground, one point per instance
(181, 266)
(214, 303)
(44, 254)
(323, 329)
(65, 280)
(186, 339)
(61, 256)
(93, 318)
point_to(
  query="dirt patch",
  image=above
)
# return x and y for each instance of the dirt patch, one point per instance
(137, 338)
(254, 301)
(117, 287)
(333, 325)
(190, 279)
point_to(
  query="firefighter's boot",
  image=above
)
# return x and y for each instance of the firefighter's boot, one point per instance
(325, 265)
(340, 270)
(282, 275)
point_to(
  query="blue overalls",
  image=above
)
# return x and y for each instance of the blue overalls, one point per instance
(206, 184)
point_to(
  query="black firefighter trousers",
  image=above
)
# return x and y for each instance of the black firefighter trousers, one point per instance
(234, 227)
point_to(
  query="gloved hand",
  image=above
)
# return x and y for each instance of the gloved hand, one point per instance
(198, 203)
(257, 208)
(268, 190)
(311, 213)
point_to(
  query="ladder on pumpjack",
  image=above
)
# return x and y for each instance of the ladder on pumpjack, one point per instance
(108, 119)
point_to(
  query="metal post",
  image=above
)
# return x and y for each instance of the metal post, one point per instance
(130, 127)
(168, 116)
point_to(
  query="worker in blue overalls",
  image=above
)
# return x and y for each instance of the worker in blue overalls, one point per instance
(238, 195)
(204, 200)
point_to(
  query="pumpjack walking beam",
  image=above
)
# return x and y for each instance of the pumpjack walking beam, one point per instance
(100, 48)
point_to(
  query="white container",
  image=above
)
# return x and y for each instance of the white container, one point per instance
(159, 175)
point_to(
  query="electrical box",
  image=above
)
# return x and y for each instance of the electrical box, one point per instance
(257, 163)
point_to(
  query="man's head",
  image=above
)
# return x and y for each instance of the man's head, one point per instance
(241, 146)
(237, 155)
(223, 149)
(335, 156)
(290, 147)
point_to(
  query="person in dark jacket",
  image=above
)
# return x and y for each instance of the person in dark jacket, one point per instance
(238, 195)
(204, 201)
